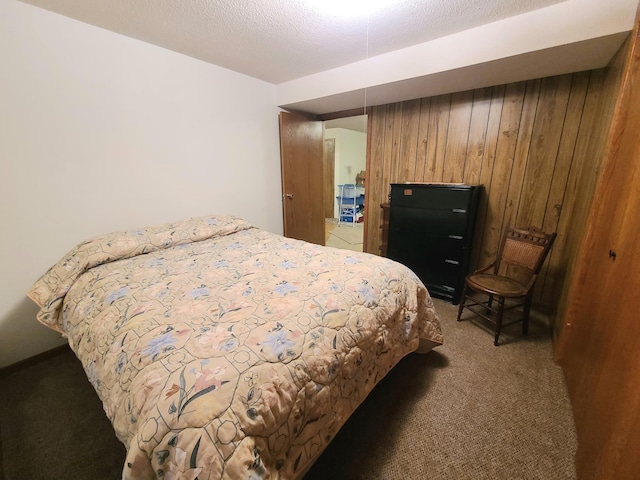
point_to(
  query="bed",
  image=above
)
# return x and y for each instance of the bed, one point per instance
(221, 350)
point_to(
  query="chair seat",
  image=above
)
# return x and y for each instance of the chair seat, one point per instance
(496, 285)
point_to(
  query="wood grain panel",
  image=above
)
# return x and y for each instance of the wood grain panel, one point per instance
(436, 143)
(486, 172)
(457, 137)
(423, 139)
(553, 271)
(521, 157)
(501, 173)
(409, 140)
(477, 136)
(543, 153)
(533, 145)
(598, 348)
(394, 142)
(388, 166)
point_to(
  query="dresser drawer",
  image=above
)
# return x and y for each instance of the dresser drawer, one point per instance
(438, 271)
(423, 221)
(431, 247)
(434, 198)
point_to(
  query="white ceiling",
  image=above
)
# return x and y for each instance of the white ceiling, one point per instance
(281, 40)
(298, 48)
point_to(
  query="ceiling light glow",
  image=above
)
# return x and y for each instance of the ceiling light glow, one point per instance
(348, 8)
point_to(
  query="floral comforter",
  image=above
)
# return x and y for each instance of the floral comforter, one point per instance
(220, 350)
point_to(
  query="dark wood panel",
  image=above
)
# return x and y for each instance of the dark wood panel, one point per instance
(534, 146)
(598, 348)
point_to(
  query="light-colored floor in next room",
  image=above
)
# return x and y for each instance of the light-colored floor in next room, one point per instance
(345, 235)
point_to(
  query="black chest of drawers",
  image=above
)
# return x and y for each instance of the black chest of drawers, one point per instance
(431, 231)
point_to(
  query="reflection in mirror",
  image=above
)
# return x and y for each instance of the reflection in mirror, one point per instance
(345, 165)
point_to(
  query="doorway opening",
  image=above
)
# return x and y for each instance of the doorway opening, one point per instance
(345, 142)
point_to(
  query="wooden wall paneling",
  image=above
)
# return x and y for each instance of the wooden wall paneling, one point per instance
(475, 155)
(543, 155)
(423, 139)
(394, 143)
(553, 271)
(598, 348)
(366, 238)
(571, 220)
(566, 150)
(457, 136)
(375, 190)
(387, 154)
(438, 124)
(409, 140)
(477, 135)
(521, 155)
(486, 172)
(545, 141)
(596, 117)
(501, 174)
(530, 144)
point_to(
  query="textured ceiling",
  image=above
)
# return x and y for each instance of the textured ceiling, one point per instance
(282, 40)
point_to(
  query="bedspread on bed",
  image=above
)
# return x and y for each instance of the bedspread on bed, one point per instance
(220, 350)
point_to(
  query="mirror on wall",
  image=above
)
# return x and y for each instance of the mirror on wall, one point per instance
(345, 164)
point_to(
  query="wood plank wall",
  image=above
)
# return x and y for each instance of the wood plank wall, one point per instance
(535, 146)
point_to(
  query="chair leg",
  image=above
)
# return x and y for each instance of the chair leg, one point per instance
(527, 310)
(463, 297)
(499, 320)
(489, 303)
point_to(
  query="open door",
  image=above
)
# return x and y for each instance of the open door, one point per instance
(301, 158)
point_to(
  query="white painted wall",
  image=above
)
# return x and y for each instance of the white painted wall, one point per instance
(101, 132)
(350, 157)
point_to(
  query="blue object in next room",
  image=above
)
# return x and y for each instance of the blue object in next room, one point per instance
(349, 203)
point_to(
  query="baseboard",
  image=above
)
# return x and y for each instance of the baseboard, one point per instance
(27, 362)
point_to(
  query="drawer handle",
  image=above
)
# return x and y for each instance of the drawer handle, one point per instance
(455, 237)
(459, 210)
(452, 262)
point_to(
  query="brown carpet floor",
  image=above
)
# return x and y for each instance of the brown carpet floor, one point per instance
(468, 410)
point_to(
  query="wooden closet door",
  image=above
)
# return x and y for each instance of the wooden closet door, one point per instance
(599, 348)
(301, 157)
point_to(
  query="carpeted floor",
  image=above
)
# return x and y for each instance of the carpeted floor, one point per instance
(468, 410)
